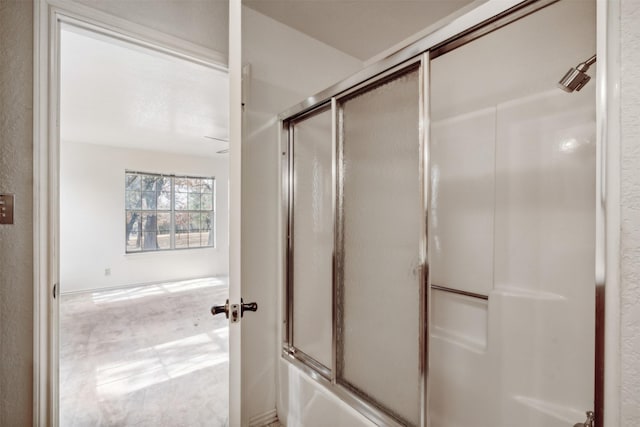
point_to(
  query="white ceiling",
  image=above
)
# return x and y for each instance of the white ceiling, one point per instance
(119, 94)
(360, 28)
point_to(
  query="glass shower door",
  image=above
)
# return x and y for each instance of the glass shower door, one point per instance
(355, 294)
(380, 276)
(311, 240)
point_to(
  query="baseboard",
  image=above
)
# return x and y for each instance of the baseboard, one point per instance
(264, 419)
(136, 285)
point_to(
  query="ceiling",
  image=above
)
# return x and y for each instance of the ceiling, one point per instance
(119, 94)
(360, 28)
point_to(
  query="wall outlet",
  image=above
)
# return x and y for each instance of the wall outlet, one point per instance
(107, 271)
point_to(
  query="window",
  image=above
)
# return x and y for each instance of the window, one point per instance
(165, 212)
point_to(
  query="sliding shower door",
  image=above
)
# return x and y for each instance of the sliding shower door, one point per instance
(512, 226)
(355, 290)
(311, 238)
(379, 288)
(473, 142)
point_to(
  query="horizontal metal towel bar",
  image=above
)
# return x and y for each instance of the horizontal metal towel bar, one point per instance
(459, 292)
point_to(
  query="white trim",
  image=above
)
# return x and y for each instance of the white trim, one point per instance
(281, 268)
(48, 14)
(235, 208)
(40, 253)
(608, 110)
(264, 419)
(75, 13)
(138, 285)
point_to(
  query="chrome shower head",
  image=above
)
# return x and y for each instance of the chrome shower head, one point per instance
(576, 78)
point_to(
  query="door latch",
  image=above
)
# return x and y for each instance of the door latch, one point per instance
(235, 310)
(590, 421)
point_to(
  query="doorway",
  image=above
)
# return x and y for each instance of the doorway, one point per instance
(143, 234)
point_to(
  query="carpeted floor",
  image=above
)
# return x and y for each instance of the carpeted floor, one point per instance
(145, 356)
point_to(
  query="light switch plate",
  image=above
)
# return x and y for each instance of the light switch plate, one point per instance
(6, 208)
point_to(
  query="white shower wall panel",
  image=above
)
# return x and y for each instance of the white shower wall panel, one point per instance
(545, 189)
(462, 205)
(519, 355)
(513, 190)
(545, 252)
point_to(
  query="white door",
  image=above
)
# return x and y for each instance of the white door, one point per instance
(251, 365)
(235, 208)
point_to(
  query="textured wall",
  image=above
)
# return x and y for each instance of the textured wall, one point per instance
(630, 212)
(16, 247)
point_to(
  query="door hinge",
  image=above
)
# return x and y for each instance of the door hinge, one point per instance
(55, 290)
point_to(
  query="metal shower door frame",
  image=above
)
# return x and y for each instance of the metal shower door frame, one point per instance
(487, 17)
(324, 375)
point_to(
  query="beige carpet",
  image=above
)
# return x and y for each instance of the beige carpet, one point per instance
(144, 356)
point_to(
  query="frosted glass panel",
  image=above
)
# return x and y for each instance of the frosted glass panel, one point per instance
(312, 237)
(380, 304)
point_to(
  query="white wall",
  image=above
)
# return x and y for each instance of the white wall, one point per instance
(203, 22)
(630, 213)
(286, 67)
(92, 219)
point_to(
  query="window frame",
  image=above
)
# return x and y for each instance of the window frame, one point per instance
(172, 211)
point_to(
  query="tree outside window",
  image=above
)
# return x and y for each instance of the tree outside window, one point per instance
(164, 212)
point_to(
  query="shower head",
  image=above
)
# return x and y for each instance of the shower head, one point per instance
(576, 78)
